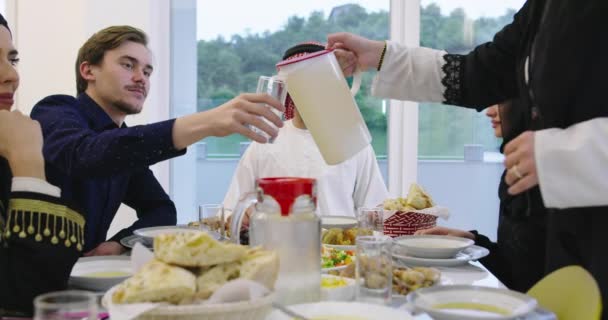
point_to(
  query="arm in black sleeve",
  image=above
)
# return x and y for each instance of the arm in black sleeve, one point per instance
(151, 203)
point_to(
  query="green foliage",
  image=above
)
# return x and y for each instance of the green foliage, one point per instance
(227, 67)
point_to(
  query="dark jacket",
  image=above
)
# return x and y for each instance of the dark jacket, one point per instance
(98, 165)
(562, 44)
(33, 261)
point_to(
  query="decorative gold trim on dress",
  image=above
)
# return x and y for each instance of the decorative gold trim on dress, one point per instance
(66, 224)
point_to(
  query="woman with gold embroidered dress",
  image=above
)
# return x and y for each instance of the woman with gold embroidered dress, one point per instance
(40, 238)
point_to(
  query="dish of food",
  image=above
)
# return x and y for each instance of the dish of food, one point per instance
(343, 239)
(148, 234)
(100, 273)
(473, 302)
(190, 266)
(335, 259)
(336, 288)
(214, 224)
(416, 199)
(405, 280)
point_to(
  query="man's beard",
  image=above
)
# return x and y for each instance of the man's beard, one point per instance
(127, 108)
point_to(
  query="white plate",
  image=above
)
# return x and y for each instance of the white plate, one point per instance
(431, 246)
(342, 310)
(342, 222)
(131, 240)
(341, 247)
(326, 270)
(471, 253)
(148, 234)
(90, 273)
(464, 302)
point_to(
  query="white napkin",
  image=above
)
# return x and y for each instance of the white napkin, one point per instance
(238, 290)
(233, 291)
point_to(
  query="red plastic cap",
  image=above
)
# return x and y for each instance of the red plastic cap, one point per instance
(285, 190)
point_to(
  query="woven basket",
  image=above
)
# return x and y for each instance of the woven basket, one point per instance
(406, 223)
(246, 310)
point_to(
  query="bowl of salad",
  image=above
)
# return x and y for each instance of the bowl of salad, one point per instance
(335, 259)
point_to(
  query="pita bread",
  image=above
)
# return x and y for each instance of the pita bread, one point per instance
(155, 282)
(195, 249)
(257, 265)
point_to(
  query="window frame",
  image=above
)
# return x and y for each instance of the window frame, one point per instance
(403, 115)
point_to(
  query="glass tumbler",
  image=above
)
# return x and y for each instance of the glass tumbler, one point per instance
(212, 215)
(277, 89)
(370, 221)
(374, 269)
(66, 305)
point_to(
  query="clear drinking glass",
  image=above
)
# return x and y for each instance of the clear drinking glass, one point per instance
(374, 269)
(212, 215)
(66, 305)
(371, 221)
(277, 89)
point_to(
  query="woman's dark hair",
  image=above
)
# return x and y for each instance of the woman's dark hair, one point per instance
(4, 23)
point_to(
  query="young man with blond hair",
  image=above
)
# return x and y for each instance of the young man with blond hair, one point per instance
(99, 162)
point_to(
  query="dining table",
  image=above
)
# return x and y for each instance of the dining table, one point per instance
(465, 273)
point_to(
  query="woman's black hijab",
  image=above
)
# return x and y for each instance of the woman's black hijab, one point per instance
(5, 171)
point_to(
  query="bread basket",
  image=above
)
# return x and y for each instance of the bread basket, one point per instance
(256, 309)
(402, 223)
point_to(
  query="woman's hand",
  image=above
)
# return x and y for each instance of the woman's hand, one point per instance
(366, 52)
(21, 144)
(521, 163)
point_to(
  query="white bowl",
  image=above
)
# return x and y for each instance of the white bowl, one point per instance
(431, 246)
(100, 273)
(464, 302)
(342, 293)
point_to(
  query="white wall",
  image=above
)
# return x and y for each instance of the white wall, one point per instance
(48, 35)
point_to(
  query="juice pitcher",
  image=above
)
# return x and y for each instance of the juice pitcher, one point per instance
(284, 220)
(320, 92)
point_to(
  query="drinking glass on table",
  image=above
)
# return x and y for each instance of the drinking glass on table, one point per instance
(277, 89)
(212, 215)
(374, 269)
(66, 305)
(370, 221)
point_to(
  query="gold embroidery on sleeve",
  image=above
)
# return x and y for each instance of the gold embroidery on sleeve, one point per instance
(66, 223)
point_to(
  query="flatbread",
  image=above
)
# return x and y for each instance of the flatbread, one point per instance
(195, 249)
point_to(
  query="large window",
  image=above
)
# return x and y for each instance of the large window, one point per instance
(235, 49)
(232, 48)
